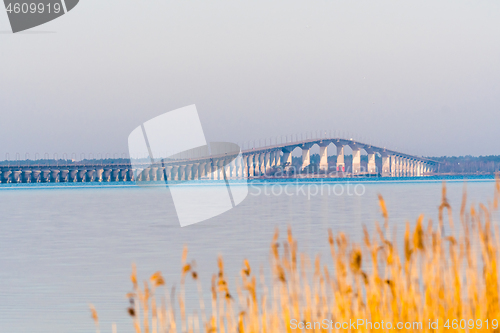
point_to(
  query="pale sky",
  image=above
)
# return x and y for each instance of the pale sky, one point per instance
(419, 76)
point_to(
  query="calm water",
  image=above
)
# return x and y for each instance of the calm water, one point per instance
(62, 248)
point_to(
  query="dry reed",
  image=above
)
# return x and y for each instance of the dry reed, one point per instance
(431, 277)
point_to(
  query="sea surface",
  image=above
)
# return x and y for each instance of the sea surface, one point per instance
(63, 246)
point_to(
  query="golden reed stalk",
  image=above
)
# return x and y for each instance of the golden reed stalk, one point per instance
(431, 277)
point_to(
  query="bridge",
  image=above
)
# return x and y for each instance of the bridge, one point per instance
(230, 163)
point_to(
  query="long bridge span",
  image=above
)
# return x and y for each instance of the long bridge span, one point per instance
(249, 163)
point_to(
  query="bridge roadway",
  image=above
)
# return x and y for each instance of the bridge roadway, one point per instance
(254, 162)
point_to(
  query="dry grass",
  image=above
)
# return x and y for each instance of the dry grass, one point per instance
(430, 276)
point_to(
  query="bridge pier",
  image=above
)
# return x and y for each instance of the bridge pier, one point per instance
(219, 174)
(323, 156)
(340, 157)
(26, 177)
(238, 161)
(371, 166)
(54, 176)
(160, 174)
(98, 174)
(16, 176)
(356, 159)
(63, 176)
(6, 176)
(262, 163)
(45, 176)
(182, 172)
(233, 169)
(125, 174)
(130, 175)
(188, 172)
(386, 165)
(267, 162)
(91, 175)
(153, 172)
(287, 158)
(256, 168)
(306, 155)
(81, 175)
(106, 175)
(73, 175)
(168, 173)
(277, 158)
(251, 169)
(115, 175)
(245, 171)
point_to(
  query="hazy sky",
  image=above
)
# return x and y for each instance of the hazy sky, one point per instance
(422, 76)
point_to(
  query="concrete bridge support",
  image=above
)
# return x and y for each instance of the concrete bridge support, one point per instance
(182, 172)
(277, 158)
(160, 174)
(239, 166)
(194, 171)
(153, 172)
(340, 157)
(256, 169)
(125, 174)
(174, 173)
(54, 176)
(220, 169)
(306, 155)
(393, 165)
(386, 165)
(262, 164)
(246, 169)
(202, 170)
(45, 176)
(35, 176)
(72, 177)
(323, 156)
(188, 172)
(251, 167)
(212, 169)
(168, 173)
(267, 162)
(81, 175)
(356, 161)
(131, 175)
(6, 176)
(26, 176)
(106, 175)
(234, 169)
(287, 158)
(91, 175)
(372, 167)
(98, 175)
(114, 175)
(16, 176)
(399, 166)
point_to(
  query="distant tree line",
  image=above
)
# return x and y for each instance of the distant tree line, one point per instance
(468, 164)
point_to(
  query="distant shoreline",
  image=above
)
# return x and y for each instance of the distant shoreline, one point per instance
(254, 181)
